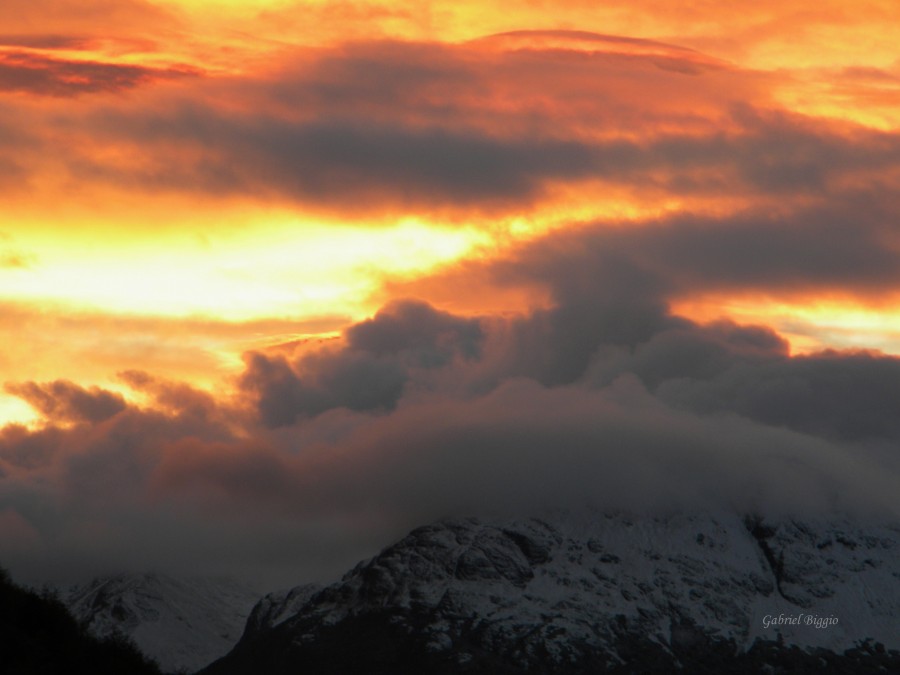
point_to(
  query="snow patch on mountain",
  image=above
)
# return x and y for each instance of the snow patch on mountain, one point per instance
(183, 624)
(710, 567)
(543, 593)
(277, 607)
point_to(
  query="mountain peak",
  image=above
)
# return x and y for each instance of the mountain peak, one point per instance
(582, 591)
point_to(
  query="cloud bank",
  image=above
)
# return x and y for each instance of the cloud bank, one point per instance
(595, 390)
(324, 451)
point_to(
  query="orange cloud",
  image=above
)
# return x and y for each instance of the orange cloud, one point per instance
(412, 128)
(60, 17)
(317, 271)
(24, 72)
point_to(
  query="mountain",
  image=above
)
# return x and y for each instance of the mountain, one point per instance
(183, 624)
(38, 636)
(276, 608)
(713, 592)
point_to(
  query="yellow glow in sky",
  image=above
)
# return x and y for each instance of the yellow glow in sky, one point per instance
(808, 324)
(295, 269)
(102, 230)
(204, 299)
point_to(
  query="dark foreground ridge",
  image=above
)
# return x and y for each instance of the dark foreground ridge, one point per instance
(38, 636)
(609, 593)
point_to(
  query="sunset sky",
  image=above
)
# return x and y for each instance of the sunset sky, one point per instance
(273, 273)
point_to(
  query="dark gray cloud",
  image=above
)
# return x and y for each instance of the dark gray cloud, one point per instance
(353, 380)
(610, 317)
(847, 245)
(65, 401)
(611, 288)
(833, 395)
(399, 127)
(369, 372)
(603, 327)
(688, 352)
(392, 164)
(374, 162)
(426, 335)
(321, 163)
(417, 413)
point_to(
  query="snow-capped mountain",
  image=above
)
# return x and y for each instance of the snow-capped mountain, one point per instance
(183, 624)
(703, 592)
(276, 608)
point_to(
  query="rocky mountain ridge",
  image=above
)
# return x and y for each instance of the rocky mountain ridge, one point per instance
(594, 592)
